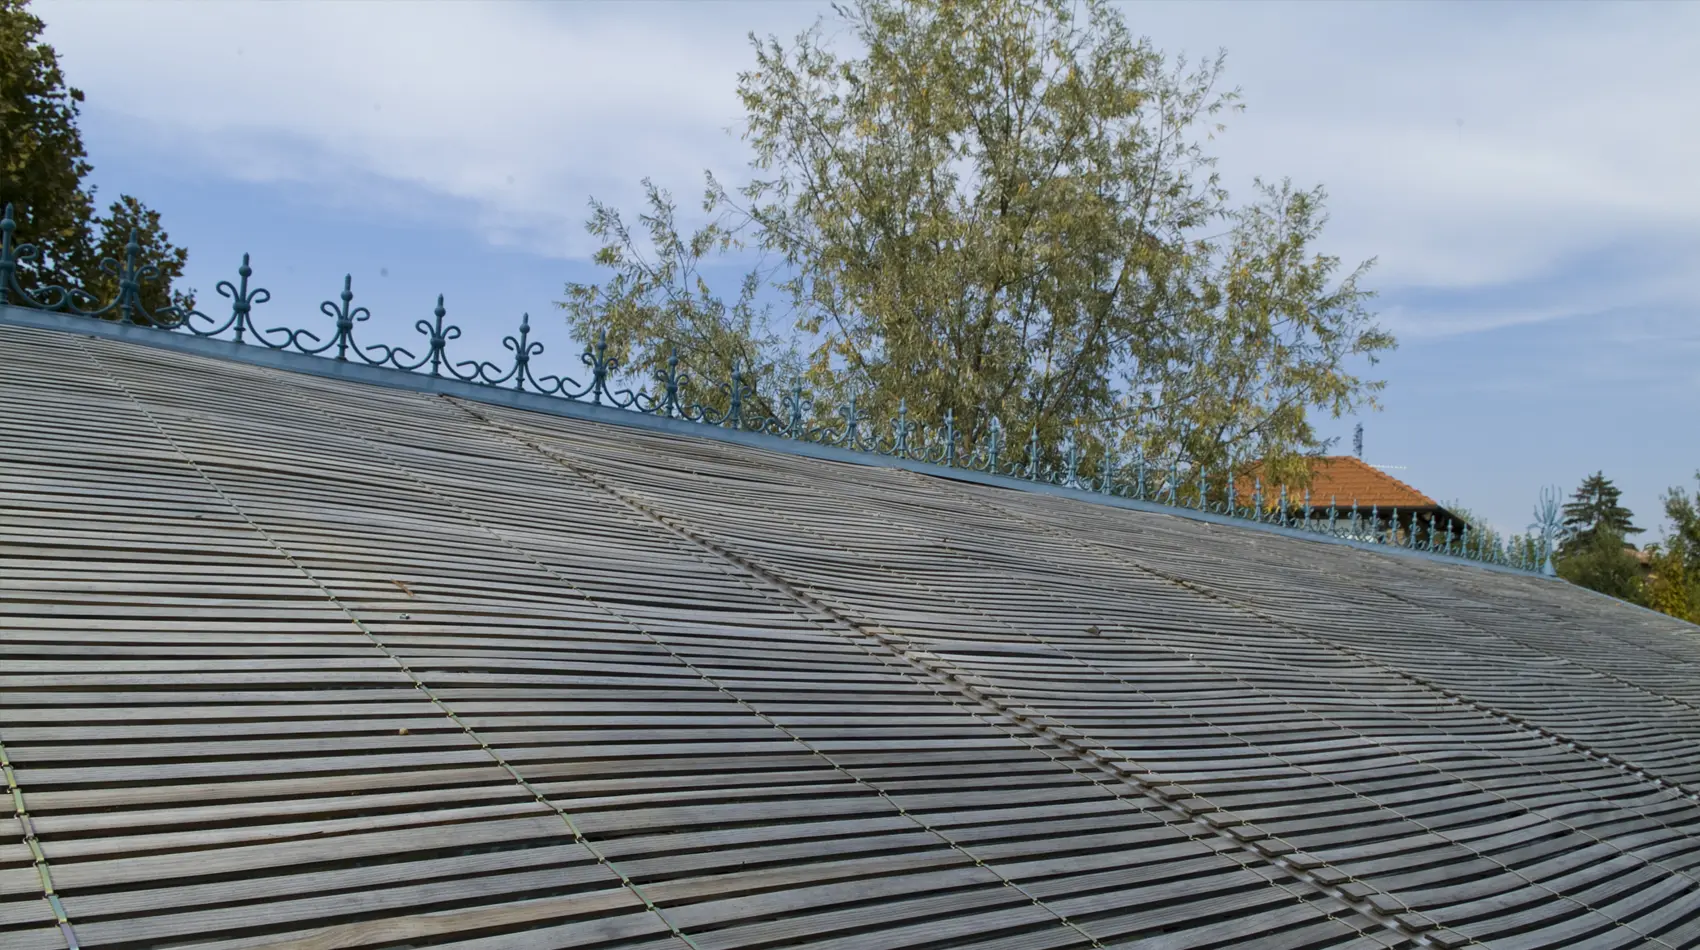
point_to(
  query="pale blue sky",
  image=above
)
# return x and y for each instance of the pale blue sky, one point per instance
(1525, 173)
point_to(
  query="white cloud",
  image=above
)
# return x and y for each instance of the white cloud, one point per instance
(1638, 290)
(517, 111)
(1465, 146)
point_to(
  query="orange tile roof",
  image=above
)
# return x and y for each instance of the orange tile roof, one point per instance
(1347, 480)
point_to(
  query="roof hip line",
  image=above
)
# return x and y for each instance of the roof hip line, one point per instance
(683, 660)
(805, 529)
(1507, 717)
(1088, 760)
(642, 510)
(20, 811)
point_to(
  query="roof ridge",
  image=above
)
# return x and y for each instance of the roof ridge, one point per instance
(1173, 483)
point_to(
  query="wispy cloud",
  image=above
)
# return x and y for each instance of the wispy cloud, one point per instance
(1466, 147)
(1469, 147)
(514, 113)
(1603, 285)
(1524, 173)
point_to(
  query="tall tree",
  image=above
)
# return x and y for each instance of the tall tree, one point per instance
(1602, 563)
(1673, 586)
(128, 218)
(42, 160)
(1005, 208)
(1593, 507)
(42, 169)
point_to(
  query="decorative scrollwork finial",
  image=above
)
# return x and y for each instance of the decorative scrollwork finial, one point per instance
(1547, 525)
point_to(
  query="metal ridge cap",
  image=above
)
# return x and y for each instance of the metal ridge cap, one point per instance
(392, 378)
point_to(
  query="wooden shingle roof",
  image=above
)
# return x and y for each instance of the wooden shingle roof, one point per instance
(297, 662)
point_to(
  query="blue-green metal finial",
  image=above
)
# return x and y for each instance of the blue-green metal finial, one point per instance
(902, 433)
(438, 337)
(345, 316)
(523, 347)
(670, 382)
(242, 301)
(795, 409)
(735, 399)
(8, 263)
(852, 416)
(949, 438)
(595, 356)
(129, 284)
(1547, 525)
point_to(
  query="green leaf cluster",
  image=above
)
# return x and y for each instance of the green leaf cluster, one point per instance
(1594, 552)
(1673, 581)
(1604, 563)
(42, 169)
(1001, 208)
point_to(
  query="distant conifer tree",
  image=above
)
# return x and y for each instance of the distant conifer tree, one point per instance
(1592, 507)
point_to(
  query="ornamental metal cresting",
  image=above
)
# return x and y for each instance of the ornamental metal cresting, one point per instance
(1172, 479)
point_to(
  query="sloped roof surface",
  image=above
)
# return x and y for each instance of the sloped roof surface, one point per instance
(292, 662)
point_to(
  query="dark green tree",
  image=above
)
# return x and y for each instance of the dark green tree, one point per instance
(43, 166)
(1603, 563)
(112, 233)
(1593, 507)
(42, 161)
(1674, 584)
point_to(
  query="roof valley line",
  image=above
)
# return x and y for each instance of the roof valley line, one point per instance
(1159, 485)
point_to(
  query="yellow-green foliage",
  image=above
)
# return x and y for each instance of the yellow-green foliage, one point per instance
(1674, 584)
(1001, 208)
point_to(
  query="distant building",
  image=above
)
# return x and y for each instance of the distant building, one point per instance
(1344, 481)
